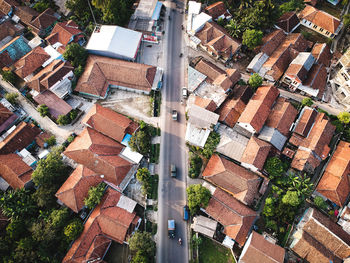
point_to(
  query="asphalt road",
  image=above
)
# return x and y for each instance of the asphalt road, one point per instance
(172, 191)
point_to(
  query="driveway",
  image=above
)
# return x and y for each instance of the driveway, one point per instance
(60, 132)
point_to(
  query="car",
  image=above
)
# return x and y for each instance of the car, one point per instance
(171, 228)
(184, 92)
(174, 115)
(173, 170)
(186, 213)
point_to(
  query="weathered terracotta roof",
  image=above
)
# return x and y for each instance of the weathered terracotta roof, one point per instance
(101, 72)
(15, 171)
(320, 18)
(6, 5)
(207, 104)
(236, 218)
(288, 21)
(107, 222)
(260, 248)
(44, 20)
(109, 122)
(272, 41)
(217, 9)
(65, 33)
(230, 111)
(322, 53)
(234, 179)
(26, 14)
(334, 183)
(256, 152)
(7, 118)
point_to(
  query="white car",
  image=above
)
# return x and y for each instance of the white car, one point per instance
(184, 93)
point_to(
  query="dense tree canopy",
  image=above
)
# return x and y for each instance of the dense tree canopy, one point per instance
(43, 110)
(73, 229)
(252, 38)
(274, 167)
(307, 102)
(142, 247)
(344, 117)
(12, 97)
(197, 196)
(140, 142)
(95, 195)
(255, 80)
(76, 54)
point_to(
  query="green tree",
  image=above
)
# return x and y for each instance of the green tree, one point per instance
(95, 195)
(145, 177)
(307, 102)
(114, 11)
(346, 20)
(197, 196)
(41, 6)
(51, 141)
(291, 198)
(234, 28)
(8, 76)
(252, 38)
(301, 184)
(25, 251)
(43, 110)
(195, 165)
(76, 54)
(221, 22)
(344, 117)
(79, 71)
(17, 203)
(73, 229)
(274, 167)
(12, 97)
(58, 218)
(196, 241)
(210, 145)
(16, 229)
(320, 203)
(255, 80)
(81, 11)
(140, 258)
(140, 142)
(142, 242)
(63, 120)
(269, 207)
(293, 5)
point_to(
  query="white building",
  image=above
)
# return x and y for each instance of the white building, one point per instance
(115, 42)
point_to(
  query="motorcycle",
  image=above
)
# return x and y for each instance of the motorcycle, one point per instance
(180, 241)
(180, 55)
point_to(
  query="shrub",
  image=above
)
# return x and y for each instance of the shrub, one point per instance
(94, 195)
(255, 80)
(12, 97)
(51, 141)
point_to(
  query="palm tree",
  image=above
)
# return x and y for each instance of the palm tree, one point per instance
(234, 28)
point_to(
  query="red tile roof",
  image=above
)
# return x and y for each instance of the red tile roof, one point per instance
(101, 72)
(335, 184)
(15, 171)
(259, 107)
(282, 116)
(260, 248)
(272, 41)
(217, 9)
(63, 32)
(256, 152)
(305, 121)
(7, 118)
(26, 14)
(317, 79)
(8, 28)
(207, 104)
(236, 180)
(100, 154)
(320, 18)
(50, 75)
(322, 53)
(75, 189)
(236, 218)
(21, 137)
(31, 62)
(109, 122)
(43, 21)
(311, 2)
(216, 39)
(6, 5)
(288, 21)
(106, 222)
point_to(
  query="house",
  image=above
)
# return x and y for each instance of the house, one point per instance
(18, 137)
(232, 178)
(102, 155)
(31, 63)
(276, 53)
(322, 54)
(236, 218)
(319, 240)
(258, 247)
(218, 10)
(56, 105)
(258, 109)
(55, 77)
(288, 22)
(44, 22)
(113, 219)
(7, 6)
(320, 21)
(200, 124)
(9, 30)
(278, 124)
(15, 171)
(13, 51)
(231, 109)
(103, 73)
(217, 42)
(25, 14)
(75, 189)
(65, 33)
(341, 83)
(255, 154)
(205, 103)
(115, 42)
(195, 23)
(312, 134)
(194, 9)
(109, 122)
(194, 79)
(315, 83)
(204, 226)
(7, 118)
(335, 182)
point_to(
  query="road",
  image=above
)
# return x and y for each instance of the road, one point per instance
(172, 191)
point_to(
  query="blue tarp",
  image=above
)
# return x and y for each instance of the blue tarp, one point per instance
(156, 11)
(126, 139)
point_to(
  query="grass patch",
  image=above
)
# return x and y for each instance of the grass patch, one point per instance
(154, 156)
(154, 188)
(209, 252)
